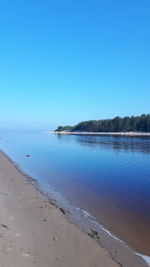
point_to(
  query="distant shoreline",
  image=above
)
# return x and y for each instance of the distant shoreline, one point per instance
(103, 133)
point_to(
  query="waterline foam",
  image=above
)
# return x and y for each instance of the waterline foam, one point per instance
(88, 215)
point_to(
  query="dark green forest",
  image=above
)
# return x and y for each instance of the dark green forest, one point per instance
(117, 124)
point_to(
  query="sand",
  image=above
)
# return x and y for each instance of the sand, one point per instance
(103, 133)
(33, 232)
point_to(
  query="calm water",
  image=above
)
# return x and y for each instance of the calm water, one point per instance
(108, 176)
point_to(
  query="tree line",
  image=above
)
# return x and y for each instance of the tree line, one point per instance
(117, 124)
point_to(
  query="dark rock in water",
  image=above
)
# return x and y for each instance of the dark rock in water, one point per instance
(27, 155)
(34, 179)
(31, 178)
(62, 210)
(94, 234)
(53, 202)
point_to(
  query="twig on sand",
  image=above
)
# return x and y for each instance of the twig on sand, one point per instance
(4, 225)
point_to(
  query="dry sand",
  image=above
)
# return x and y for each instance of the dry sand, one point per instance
(33, 232)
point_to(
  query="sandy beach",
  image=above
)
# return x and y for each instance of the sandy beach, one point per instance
(34, 232)
(103, 133)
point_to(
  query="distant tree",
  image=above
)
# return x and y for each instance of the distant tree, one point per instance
(63, 128)
(117, 124)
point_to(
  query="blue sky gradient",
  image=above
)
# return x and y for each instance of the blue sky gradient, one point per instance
(66, 61)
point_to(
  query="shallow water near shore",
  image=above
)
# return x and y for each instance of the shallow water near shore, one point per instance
(108, 176)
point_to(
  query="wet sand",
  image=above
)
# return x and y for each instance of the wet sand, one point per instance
(34, 232)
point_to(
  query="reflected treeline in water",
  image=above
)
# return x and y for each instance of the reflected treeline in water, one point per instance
(117, 143)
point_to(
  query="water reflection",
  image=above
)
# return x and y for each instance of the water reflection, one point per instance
(134, 144)
(87, 171)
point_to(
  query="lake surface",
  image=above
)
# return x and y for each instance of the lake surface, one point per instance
(108, 176)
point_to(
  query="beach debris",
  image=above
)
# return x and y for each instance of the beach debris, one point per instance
(55, 238)
(53, 202)
(94, 234)
(62, 210)
(27, 155)
(43, 206)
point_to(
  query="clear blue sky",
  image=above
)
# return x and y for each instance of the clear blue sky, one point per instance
(63, 61)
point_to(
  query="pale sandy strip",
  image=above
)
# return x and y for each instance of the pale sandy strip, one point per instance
(35, 233)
